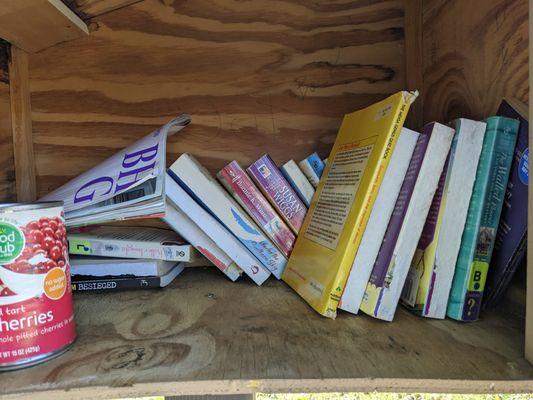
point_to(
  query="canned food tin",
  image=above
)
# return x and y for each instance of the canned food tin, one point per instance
(36, 310)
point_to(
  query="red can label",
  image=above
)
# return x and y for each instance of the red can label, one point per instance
(36, 310)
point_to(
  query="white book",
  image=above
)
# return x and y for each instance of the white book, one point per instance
(107, 266)
(431, 273)
(378, 221)
(185, 227)
(405, 226)
(312, 167)
(229, 244)
(130, 242)
(205, 189)
(298, 181)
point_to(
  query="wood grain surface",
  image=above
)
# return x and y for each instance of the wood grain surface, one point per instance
(258, 76)
(475, 53)
(7, 165)
(87, 9)
(205, 328)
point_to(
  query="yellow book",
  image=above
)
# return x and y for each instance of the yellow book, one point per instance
(330, 235)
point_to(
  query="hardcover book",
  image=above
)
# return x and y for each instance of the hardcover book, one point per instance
(312, 167)
(407, 221)
(114, 283)
(428, 282)
(298, 181)
(128, 242)
(241, 187)
(325, 249)
(278, 191)
(186, 208)
(482, 220)
(199, 183)
(511, 237)
(186, 228)
(378, 221)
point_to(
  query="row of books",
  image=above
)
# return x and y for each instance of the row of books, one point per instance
(402, 216)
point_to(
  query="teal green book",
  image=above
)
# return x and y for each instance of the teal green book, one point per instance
(482, 219)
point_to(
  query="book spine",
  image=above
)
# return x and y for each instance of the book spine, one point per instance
(187, 229)
(512, 228)
(115, 284)
(205, 190)
(482, 220)
(298, 181)
(312, 167)
(127, 249)
(187, 209)
(241, 187)
(278, 191)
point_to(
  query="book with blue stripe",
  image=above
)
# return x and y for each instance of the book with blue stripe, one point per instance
(199, 183)
(482, 219)
(298, 181)
(312, 167)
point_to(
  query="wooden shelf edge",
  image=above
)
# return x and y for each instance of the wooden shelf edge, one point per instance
(227, 387)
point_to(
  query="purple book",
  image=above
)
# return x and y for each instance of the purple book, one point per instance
(381, 266)
(510, 246)
(278, 191)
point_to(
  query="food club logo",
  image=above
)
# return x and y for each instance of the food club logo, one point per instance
(11, 242)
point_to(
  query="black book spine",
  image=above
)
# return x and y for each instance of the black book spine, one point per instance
(115, 284)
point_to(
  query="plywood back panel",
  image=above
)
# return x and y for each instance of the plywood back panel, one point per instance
(257, 76)
(475, 53)
(7, 165)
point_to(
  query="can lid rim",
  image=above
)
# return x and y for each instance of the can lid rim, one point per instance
(10, 207)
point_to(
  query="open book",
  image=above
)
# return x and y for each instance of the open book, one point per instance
(128, 185)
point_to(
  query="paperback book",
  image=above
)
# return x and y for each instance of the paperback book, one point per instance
(428, 283)
(199, 183)
(511, 237)
(241, 187)
(107, 266)
(482, 220)
(333, 228)
(128, 185)
(278, 191)
(313, 168)
(378, 221)
(128, 242)
(298, 181)
(407, 221)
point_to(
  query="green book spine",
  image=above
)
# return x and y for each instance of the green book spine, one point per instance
(482, 220)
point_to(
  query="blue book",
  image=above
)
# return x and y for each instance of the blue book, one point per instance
(312, 167)
(482, 219)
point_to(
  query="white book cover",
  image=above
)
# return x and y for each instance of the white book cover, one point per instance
(298, 181)
(448, 230)
(381, 301)
(105, 266)
(130, 184)
(199, 183)
(184, 203)
(309, 171)
(130, 242)
(378, 221)
(185, 227)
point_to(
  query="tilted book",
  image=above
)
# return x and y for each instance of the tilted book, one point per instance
(511, 237)
(241, 187)
(298, 181)
(378, 221)
(187, 208)
(188, 229)
(313, 168)
(428, 282)
(482, 220)
(82, 283)
(325, 249)
(128, 242)
(278, 191)
(129, 184)
(407, 221)
(199, 183)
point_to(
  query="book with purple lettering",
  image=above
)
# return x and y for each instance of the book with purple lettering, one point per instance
(278, 191)
(511, 237)
(241, 187)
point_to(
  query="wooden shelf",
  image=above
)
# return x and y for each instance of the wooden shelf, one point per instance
(205, 334)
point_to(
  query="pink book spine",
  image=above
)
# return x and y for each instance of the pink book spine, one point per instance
(241, 187)
(278, 191)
